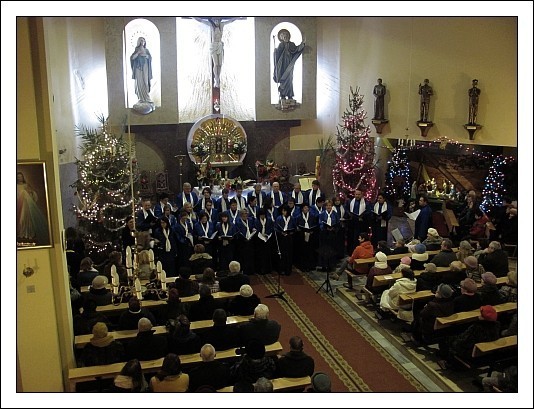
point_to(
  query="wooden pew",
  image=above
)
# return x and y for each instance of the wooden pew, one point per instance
(114, 309)
(91, 373)
(450, 219)
(491, 353)
(366, 261)
(386, 279)
(280, 384)
(469, 316)
(426, 295)
(81, 340)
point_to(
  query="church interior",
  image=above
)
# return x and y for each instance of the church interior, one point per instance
(133, 108)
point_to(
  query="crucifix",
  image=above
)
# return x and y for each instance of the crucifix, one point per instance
(216, 25)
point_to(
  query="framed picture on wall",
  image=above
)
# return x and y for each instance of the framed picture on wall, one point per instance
(33, 213)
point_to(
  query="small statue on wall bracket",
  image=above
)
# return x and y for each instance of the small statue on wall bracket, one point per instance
(425, 91)
(471, 126)
(379, 91)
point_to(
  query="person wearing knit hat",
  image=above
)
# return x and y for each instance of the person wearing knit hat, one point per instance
(428, 279)
(244, 303)
(444, 291)
(102, 349)
(320, 382)
(433, 240)
(465, 250)
(406, 260)
(488, 313)
(146, 345)
(473, 269)
(380, 267)
(419, 258)
(489, 292)
(469, 299)
(98, 291)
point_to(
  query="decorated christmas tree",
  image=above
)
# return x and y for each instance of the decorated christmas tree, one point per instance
(103, 188)
(354, 161)
(398, 176)
(500, 181)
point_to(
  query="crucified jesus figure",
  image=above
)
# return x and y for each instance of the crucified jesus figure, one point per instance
(216, 25)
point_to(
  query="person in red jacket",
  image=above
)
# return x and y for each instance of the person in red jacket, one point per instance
(363, 250)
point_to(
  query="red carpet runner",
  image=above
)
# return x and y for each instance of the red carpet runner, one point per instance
(354, 361)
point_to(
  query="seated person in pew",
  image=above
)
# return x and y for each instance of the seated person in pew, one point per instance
(469, 299)
(512, 328)
(455, 275)
(130, 318)
(173, 308)
(320, 382)
(473, 269)
(102, 348)
(486, 329)
(363, 250)
(260, 327)
(185, 286)
(170, 377)
(429, 278)
(235, 278)
(494, 258)
(405, 262)
(433, 240)
(465, 250)
(263, 385)
(210, 372)
(440, 306)
(419, 257)
(254, 364)
(98, 291)
(382, 246)
(509, 290)
(244, 303)
(221, 335)
(446, 256)
(146, 345)
(295, 363)
(131, 378)
(505, 381)
(489, 292)
(400, 247)
(380, 267)
(208, 279)
(181, 339)
(389, 301)
(83, 323)
(204, 307)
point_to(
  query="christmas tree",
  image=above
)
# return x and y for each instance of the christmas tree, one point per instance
(354, 161)
(500, 181)
(103, 188)
(398, 176)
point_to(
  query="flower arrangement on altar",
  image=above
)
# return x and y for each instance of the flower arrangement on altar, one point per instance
(200, 149)
(268, 171)
(206, 174)
(239, 147)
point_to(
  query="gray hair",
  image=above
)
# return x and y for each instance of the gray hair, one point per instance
(207, 353)
(234, 266)
(261, 312)
(495, 245)
(263, 385)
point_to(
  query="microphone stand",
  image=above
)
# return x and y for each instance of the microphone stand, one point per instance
(279, 292)
(326, 284)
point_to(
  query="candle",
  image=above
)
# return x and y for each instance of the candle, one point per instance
(159, 266)
(163, 278)
(128, 257)
(114, 280)
(151, 259)
(138, 289)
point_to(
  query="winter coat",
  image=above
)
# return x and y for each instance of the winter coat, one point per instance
(390, 297)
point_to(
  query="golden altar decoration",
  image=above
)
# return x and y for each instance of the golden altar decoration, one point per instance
(218, 140)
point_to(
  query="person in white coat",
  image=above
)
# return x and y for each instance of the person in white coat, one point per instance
(405, 285)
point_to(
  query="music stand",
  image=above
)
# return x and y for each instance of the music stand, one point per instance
(327, 285)
(279, 292)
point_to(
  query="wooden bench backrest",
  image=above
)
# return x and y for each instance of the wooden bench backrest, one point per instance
(280, 384)
(425, 295)
(468, 316)
(395, 257)
(107, 309)
(90, 373)
(483, 348)
(379, 281)
(81, 340)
